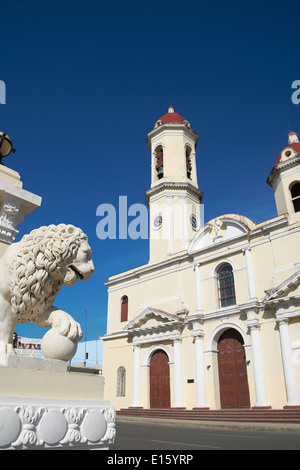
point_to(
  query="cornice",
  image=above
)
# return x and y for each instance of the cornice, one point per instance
(149, 312)
(282, 166)
(207, 254)
(171, 186)
(148, 269)
(173, 330)
(272, 295)
(118, 334)
(157, 334)
(286, 316)
(184, 126)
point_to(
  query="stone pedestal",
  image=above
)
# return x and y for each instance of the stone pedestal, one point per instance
(15, 205)
(43, 406)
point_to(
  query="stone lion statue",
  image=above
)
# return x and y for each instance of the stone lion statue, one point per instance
(32, 271)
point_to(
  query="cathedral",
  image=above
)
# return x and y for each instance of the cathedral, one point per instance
(212, 321)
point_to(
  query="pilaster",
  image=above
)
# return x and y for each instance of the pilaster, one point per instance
(199, 305)
(250, 273)
(291, 385)
(178, 385)
(198, 335)
(136, 399)
(258, 365)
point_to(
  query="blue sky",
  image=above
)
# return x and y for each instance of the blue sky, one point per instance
(86, 80)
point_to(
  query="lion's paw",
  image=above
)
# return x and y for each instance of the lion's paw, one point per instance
(67, 326)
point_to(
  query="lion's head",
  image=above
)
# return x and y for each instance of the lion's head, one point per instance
(44, 260)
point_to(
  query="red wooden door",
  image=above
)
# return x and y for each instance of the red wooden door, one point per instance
(159, 380)
(234, 390)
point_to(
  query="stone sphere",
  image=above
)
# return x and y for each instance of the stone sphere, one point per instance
(56, 346)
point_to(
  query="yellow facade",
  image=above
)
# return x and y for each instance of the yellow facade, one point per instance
(177, 303)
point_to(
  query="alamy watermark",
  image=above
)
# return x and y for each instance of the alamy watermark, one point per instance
(166, 221)
(296, 94)
(114, 224)
(2, 92)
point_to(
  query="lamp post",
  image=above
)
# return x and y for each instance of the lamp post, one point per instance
(6, 146)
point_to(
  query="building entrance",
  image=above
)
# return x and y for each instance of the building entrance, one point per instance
(234, 390)
(159, 380)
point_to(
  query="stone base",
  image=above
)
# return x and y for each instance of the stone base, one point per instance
(43, 406)
(267, 407)
(28, 362)
(46, 378)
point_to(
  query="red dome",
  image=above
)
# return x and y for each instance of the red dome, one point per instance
(171, 117)
(295, 146)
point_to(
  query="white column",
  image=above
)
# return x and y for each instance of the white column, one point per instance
(177, 375)
(136, 399)
(171, 228)
(258, 366)
(250, 273)
(184, 234)
(198, 288)
(291, 384)
(200, 367)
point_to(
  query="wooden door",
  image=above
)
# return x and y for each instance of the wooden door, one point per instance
(159, 380)
(234, 390)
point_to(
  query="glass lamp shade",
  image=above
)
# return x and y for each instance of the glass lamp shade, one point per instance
(5, 145)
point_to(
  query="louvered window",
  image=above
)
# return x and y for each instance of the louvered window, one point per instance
(121, 381)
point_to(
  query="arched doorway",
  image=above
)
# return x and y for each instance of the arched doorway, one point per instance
(234, 389)
(159, 380)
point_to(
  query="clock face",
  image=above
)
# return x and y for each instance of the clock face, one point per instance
(157, 221)
(193, 221)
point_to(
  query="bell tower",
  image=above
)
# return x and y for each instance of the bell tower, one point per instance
(285, 179)
(173, 198)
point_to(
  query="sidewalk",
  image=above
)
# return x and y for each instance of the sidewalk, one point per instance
(287, 427)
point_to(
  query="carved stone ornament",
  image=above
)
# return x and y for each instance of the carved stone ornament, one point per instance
(52, 425)
(217, 228)
(10, 218)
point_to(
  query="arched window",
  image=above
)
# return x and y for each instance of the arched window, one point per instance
(226, 286)
(121, 381)
(159, 162)
(124, 308)
(188, 162)
(295, 193)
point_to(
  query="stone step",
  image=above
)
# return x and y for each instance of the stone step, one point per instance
(279, 416)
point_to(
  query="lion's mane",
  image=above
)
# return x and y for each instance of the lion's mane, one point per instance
(38, 268)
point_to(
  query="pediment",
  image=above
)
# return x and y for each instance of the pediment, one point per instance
(153, 318)
(219, 229)
(284, 288)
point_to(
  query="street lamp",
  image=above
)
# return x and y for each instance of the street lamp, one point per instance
(6, 146)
